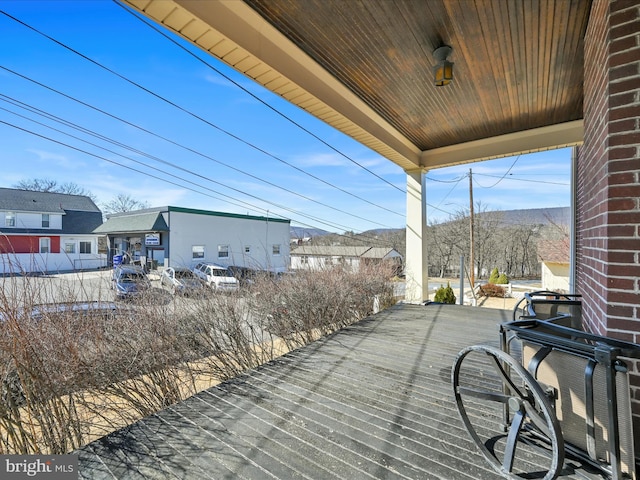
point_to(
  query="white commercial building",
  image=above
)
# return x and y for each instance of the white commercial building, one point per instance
(181, 237)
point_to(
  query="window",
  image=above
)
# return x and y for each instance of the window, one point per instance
(69, 248)
(10, 219)
(275, 250)
(45, 220)
(197, 251)
(85, 247)
(45, 245)
(223, 251)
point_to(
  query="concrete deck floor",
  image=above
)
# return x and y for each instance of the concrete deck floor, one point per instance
(373, 401)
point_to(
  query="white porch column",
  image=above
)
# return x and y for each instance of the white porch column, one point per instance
(417, 275)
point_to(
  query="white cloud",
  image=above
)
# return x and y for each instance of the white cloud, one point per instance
(321, 160)
(55, 158)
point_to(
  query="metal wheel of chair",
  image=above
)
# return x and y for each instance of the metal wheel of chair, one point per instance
(490, 387)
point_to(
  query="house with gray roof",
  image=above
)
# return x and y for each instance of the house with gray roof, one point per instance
(314, 257)
(181, 237)
(48, 232)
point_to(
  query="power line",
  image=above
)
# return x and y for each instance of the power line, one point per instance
(97, 135)
(455, 180)
(115, 117)
(188, 112)
(219, 72)
(316, 219)
(501, 178)
(449, 192)
(521, 180)
(50, 116)
(147, 174)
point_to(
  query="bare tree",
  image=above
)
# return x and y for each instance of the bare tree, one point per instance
(447, 241)
(52, 186)
(123, 203)
(487, 239)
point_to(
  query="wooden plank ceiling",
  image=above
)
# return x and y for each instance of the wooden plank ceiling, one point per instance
(518, 63)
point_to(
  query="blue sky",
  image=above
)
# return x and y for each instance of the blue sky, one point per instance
(173, 126)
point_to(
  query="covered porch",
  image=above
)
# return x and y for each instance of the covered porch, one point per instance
(372, 401)
(527, 76)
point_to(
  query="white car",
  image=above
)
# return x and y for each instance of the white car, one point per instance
(216, 276)
(181, 281)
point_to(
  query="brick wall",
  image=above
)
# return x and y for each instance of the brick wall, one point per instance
(591, 176)
(608, 177)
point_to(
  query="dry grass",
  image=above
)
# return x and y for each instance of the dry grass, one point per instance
(69, 378)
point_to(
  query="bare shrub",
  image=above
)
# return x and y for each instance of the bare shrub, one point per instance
(222, 330)
(68, 376)
(52, 357)
(301, 307)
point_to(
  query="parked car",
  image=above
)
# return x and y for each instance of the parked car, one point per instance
(129, 281)
(245, 276)
(216, 276)
(181, 281)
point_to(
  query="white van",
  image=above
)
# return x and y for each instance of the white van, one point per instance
(216, 276)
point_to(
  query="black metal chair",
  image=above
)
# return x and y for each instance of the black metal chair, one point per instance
(548, 389)
(545, 304)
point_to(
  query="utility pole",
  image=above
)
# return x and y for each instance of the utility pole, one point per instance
(471, 260)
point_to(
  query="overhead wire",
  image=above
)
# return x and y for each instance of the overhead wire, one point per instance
(242, 203)
(159, 170)
(503, 177)
(248, 92)
(564, 184)
(188, 112)
(506, 175)
(86, 152)
(38, 111)
(455, 180)
(103, 112)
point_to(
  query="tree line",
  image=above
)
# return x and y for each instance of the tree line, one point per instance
(512, 248)
(509, 246)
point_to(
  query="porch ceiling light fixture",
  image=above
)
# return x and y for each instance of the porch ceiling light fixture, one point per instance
(443, 71)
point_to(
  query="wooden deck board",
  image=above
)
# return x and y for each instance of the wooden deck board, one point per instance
(372, 401)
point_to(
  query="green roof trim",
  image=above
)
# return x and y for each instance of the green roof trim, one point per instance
(228, 215)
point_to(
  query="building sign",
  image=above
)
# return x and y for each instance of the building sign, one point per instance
(152, 239)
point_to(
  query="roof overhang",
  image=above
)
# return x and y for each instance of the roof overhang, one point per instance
(237, 34)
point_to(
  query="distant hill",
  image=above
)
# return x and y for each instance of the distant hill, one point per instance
(529, 216)
(307, 232)
(380, 231)
(536, 216)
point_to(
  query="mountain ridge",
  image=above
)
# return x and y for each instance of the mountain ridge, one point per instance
(532, 216)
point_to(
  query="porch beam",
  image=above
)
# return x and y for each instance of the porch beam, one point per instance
(561, 135)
